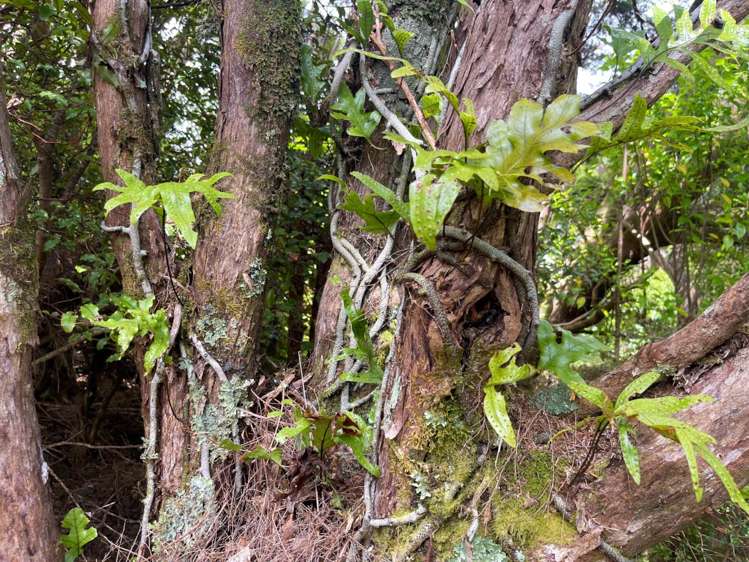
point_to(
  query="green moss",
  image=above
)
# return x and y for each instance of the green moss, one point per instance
(519, 514)
(450, 534)
(19, 282)
(536, 473)
(528, 527)
(269, 45)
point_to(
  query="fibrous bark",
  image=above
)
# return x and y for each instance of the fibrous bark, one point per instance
(505, 58)
(26, 515)
(259, 66)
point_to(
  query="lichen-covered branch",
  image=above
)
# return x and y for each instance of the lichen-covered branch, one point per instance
(150, 455)
(380, 106)
(208, 358)
(137, 253)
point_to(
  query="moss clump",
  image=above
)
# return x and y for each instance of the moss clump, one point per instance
(528, 527)
(535, 474)
(450, 534)
(269, 44)
(519, 514)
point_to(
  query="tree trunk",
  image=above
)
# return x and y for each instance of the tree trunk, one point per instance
(258, 84)
(26, 517)
(257, 97)
(504, 60)
(126, 93)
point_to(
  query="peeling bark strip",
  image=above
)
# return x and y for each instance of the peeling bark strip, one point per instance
(26, 519)
(695, 340)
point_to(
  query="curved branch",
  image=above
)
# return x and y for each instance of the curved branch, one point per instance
(612, 101)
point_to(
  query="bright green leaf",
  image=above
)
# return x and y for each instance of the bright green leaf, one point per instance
(495, 410)
(79, 533)
(629, 452)
(67, 321)
(430, 202)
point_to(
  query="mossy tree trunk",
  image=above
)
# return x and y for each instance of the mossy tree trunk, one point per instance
(505, 58)
(26, 518)
(512, 50)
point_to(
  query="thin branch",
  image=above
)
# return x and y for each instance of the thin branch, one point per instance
(403, 85)
(338, 75)
(133, 232)
(406, 519)
(208, 358)
(89, 446)
(67, 347)
(380, 106)
(151, 455)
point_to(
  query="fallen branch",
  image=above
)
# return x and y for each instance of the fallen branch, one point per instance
(695, 340)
